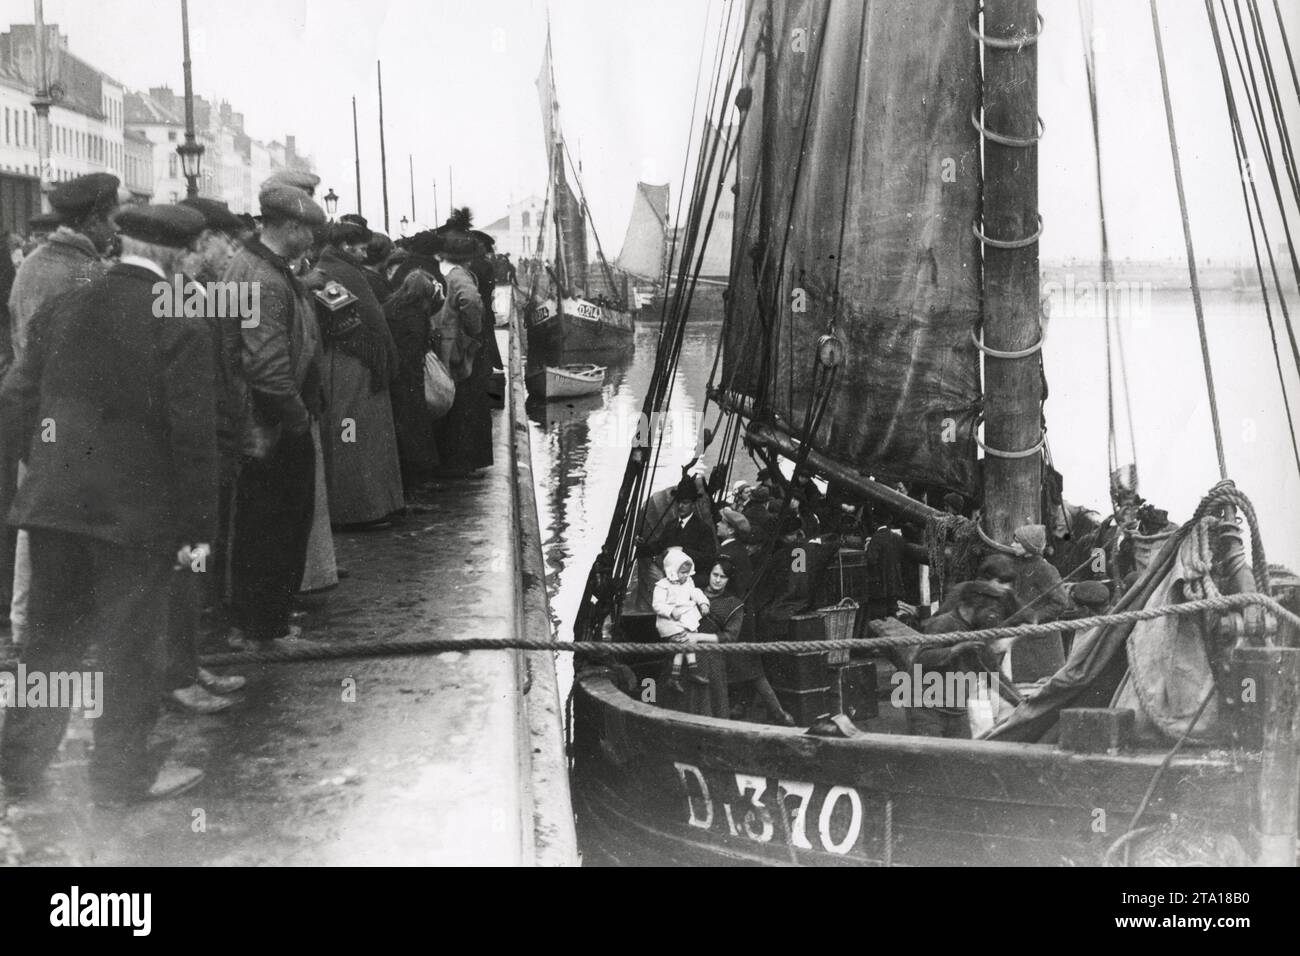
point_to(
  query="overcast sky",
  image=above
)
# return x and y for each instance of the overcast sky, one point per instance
(459, 94)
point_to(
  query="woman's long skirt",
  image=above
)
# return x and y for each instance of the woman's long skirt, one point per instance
(362, 472)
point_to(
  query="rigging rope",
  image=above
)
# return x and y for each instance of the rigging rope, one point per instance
(1107, 273)
(1239, 149)
(1187, 240)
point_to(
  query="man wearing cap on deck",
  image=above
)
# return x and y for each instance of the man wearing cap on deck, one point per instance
(71, 257)
(186, 684)
(981, 605)
(275, 491)
(126, 492)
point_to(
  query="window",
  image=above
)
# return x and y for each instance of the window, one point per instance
(171, 165)
(175, 195)
(24, 127)
(6, 124)
(171, 136)
(527, 220)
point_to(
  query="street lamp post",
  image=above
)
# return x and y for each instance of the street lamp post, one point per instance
(331, 203)
(190, 151)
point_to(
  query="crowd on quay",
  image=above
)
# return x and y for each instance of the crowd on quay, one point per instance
(173, 475)
(738, 571)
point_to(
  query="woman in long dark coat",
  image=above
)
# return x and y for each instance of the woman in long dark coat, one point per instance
(360, 360)
(464, 435)
(410, 313)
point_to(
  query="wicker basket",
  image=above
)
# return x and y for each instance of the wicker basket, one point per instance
(839, 619)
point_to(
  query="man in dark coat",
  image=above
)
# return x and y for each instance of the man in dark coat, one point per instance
(982, 604)
(71, 258)
(686, 530)
(115, 405)
(188, 685)
(276, 489)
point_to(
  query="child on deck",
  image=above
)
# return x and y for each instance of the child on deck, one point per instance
(679, 605)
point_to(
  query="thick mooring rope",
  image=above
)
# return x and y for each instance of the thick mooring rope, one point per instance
(306, 651)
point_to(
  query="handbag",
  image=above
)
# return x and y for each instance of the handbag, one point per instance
(439, 389)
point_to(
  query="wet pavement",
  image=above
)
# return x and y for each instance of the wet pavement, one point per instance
(410, 760)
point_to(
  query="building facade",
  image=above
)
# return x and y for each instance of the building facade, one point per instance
(96, 125)
(516, 232)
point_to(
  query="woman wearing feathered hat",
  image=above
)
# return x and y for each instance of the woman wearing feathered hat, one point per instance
(464, 435)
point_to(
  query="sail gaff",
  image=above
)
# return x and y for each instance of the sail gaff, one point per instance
(866, 232)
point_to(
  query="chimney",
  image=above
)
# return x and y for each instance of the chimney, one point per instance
(164, 96)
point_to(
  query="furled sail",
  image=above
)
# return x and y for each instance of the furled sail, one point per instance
(857, 220)
(643, 246)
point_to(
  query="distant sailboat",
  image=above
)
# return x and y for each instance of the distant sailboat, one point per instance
(562, 319)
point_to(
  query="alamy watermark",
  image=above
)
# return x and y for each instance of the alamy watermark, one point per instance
(1088, 298)
(929, 688)
(209, 300)
(59, 689)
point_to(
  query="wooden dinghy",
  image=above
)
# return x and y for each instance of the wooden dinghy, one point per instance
(565, 381)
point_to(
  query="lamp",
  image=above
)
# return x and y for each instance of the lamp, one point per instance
(191, 154)
(331, 202)
(403, 222)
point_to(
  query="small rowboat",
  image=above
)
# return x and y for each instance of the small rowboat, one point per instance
(565, 381)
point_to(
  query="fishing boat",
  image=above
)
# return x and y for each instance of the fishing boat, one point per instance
(564, 381)
(562, 320)
(867, 294)
(651, 254)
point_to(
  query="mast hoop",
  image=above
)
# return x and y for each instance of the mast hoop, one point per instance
(1003, 43)
(1008, 243)
(995, 545)
(1019, 354)
(1022, 142)
(999, 453)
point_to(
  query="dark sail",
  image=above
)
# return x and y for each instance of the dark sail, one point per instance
(870, 202)
(572, 225)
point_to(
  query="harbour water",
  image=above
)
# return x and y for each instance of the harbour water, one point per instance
(580, 447)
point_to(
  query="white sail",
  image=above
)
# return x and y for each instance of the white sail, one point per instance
(643, 246)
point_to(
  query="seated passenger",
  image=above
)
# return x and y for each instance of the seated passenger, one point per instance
(679, 606)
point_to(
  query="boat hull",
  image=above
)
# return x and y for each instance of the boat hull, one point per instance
(576, 327)
(654, 786)
(550, 382)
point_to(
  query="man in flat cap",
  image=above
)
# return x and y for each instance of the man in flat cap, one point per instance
(186, 684)
(115, 407)
(71, 257)
(981, 604)
(275, 491)
(302, 179)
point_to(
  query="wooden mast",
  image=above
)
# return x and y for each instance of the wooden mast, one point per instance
(1013, 386)
(383, 154)
(356, 151)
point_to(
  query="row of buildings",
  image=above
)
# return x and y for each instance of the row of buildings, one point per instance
(97, 125)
